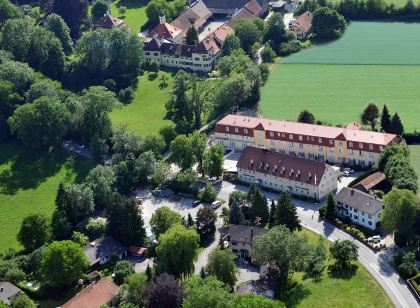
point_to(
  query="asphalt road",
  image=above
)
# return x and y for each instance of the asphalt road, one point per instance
(375, 263)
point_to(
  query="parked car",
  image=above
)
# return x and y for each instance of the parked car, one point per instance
(374, 238)
(350, 171)
(215, 204)
(346, 173)
(196, 203)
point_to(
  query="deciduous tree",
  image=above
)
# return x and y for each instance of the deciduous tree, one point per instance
(221, 264)
(58, 26)
(206, 224)
(230, 44)
(34, 231)
(207, 292)
(213, 161)
(74, 13)
(370, 115)
(163, 219)
(306, 117)
(344, 252)
(164, 291)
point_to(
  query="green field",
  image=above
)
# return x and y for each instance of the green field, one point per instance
(337, 93)
(145, 114)
(398, 3)
(28, 184)
(415, 160)
(135, 16)
(359, 289)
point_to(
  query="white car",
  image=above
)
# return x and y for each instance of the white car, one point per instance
(215, 204)
(374, 238)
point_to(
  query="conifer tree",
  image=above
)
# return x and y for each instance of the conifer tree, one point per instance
(331, 211)
(386, 119)
(259, 208)
(396, 125)
(60, 197)
(190, 221)
(272, 218)
(286, 213)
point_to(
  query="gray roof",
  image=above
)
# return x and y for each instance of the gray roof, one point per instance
(7, 291)
(246, 234)
(103, 247)
(229, 4)
(360, 200)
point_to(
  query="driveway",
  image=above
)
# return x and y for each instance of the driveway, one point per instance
(376, 263)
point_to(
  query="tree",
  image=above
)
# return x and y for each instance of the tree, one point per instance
(74, 13)
(182, 152)
(168, 134)
(390, 151)
(206, 224)
(192, 36)
(126, 145)
(209, 193)
(213, 161)
(185, 182)
(155, 8)
(370, 115)
(163, 219)
(221, 264)
(236, 200)
(207, 292)
(16, 38)
(386, 120)
(344, 252)
(284, 252)
(149, 273)
(61, 227)
(400, 173)
(316, 262)
(306, 117)
(19, 74)
(176, 250)
(259, 208)
(234, 92)
(122, 10)
(246, 300)
(41, 124)
(331, 209)
(80, 238)
(22, 301)
(58, 26)
(62, 264)
(40, 89)
(399, 214)
(190, 221)
(98, 9)
(122, 270)
(164, 291)
(286, 213)
(198, 146)
(328, 24)
(276, 30)
(248, 33)
(272, 215)
(8, 11)
(396, 125)
(200, 97)
(101, 180)
(125, 222)
(145, 166)
(34, 231)
(154, 143)
(268, 54)
(78, 203)
(230, 44)
(162, 175)
(136, 285)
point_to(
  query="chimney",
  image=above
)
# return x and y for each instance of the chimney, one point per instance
(162, 18)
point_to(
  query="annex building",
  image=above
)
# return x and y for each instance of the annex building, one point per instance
(281, 172)
(336, 145)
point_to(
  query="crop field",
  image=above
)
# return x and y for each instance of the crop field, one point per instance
(135, 16)
(28, 184)
(415, 160)
(145, 114)
(336, 84)
(398, 3)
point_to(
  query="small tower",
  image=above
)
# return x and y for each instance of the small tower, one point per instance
(162, 18)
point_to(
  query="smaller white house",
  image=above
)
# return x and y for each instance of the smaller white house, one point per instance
(302, 25)
(281, 172)
(362, 208)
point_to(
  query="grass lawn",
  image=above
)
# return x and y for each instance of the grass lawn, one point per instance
(415, 160)
(145, 114)
(398, 3)
(135, 16)
(350, 289)
(337, 80)
(28, 184)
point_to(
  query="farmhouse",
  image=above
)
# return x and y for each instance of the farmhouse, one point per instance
(302, 25)
(102, 292)
(241, 237)
(100, 251)
(8, 291)
(281, 172)
(362, 208)
(325, 143)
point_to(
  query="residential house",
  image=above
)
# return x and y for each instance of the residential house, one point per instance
(250, 10)
(165, 31)
(102, 250)
(362, 208)
(98, 293)
(197, 15)
(335, 145)
(281, 172)
(109, 21)
(302, 25)
(241, 237)
(370, 182)
(8, 291)
(229, 8)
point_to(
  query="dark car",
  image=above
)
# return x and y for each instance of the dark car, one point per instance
(196, 203)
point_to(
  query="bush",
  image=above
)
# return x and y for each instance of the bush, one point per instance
(95, 228)
(322, 211)
(209, 193)
(126, 95)
(185, 182)
(122, 270)
(110, 84)
(407, 270)
(289, 48)
(268, 54)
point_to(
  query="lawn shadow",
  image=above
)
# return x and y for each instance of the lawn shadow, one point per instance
(130, 4)
(152, 76)
(342, 273)
(296, 295)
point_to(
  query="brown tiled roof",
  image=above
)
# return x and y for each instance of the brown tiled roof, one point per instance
(246, 234)
(304, 22)
(282, 165)
(308, 129)
(250, 10)
(94, 295)
(221, 33)
(109, 21)
(197, 15)
(137, 250)
(359, 200)
(152, 45)
(165, 30)
(372, 180)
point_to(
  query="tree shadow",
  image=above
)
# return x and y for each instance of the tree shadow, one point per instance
(296, 295)
(335, 271)
(130, 4)
(152, 76)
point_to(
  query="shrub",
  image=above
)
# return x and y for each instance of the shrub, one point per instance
(126, 95)
(407, 270)
(289, 48)
(209, 193)
(268, 54)
(322, 211)
(110, 84)
(95, 228)
(122, 270)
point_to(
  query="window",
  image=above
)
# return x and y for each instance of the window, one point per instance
(320, 140)
(301, 145)
(331, 142)
(234, 243)
(340, 144)
(350, 144)
(246, 130)
(371, 147)
(300, 138)
(312, 138)
(271, 134)
(381, 148)
(236, 129)
(283, 134)
(291, 136)
(227, 128)
(370, 223)
(291, 144)
(320, 149)
(361, 145)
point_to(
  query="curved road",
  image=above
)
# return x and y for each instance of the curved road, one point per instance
(375, 263)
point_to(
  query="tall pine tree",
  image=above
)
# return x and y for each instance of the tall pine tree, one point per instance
(396, 125)
(60, 197)
(272, 218)
(331, 208)
(386, 119)
(259, 208)
(286, 213)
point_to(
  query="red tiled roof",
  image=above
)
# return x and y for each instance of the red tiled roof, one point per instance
(282, 165)
(164, 31)
(109, 21)
(197, 15)
(308, 129)
(354, 125)
(221, 33)
(304, 22)
(137, 250)
(94, 295)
